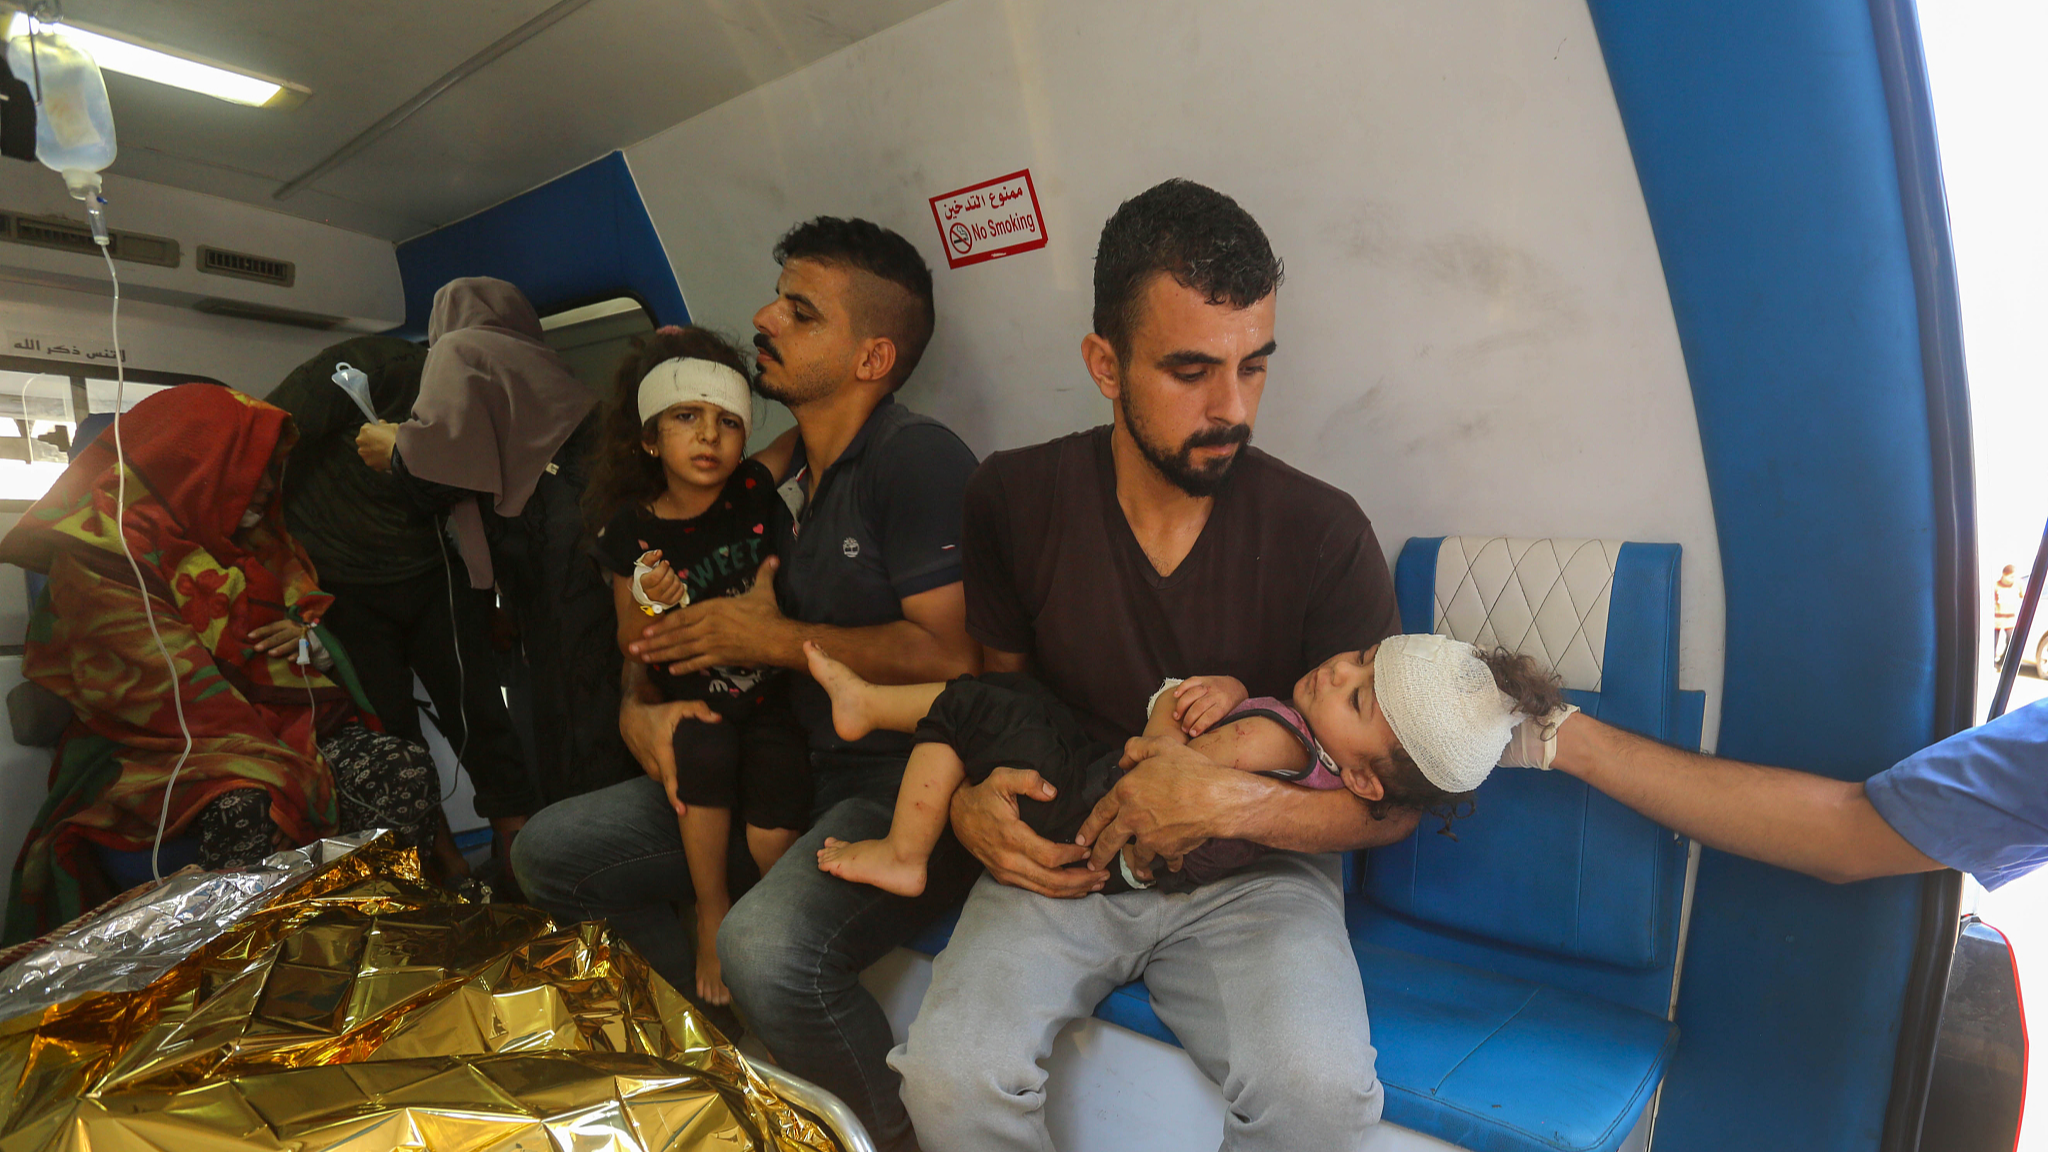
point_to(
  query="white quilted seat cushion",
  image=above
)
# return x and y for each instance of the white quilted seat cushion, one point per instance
(1541, 598)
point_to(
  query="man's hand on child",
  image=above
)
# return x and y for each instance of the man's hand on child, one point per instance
(1200, 701)
(650, 731)
(724, 630)
(1169, 803)
(985, 819)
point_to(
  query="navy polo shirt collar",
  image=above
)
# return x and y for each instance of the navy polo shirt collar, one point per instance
(800, 459)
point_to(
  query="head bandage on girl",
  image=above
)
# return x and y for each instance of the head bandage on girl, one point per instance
(1440, 699)
(685, 380)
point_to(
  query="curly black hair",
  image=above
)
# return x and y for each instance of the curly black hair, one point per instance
(1536, 692)
(1196, 235)
(623, 474)
(885, 255)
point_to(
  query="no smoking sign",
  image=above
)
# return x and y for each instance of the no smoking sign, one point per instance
(986, 221)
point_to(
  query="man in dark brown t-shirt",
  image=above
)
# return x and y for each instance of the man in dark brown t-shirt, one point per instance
(1104, 562)
(1285, 574)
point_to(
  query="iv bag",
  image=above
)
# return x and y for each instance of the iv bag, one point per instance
(356, 383)
(74, 123)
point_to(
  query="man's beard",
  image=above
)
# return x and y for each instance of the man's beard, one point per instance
(793, 390)
(1180, 468)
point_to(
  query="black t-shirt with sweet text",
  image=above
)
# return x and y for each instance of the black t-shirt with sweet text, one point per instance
(716, 553)
(1285, 574)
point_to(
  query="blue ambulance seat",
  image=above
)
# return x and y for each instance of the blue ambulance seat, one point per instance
(1520, 978)
(125, 870)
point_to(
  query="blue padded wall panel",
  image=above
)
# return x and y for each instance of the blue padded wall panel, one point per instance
(1545, 863)
(1763, 144)
(1646, 990)
(1549, 857)
(1415, 583)
(1639, 665)
(576, 239)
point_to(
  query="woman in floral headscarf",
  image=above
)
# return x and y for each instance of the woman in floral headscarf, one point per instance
(280, 751)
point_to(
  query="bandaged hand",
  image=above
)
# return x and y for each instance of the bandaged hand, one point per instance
(1200, 701)
(656, 587)
(1534, 743)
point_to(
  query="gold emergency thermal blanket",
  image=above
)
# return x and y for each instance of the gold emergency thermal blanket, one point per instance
(359, 1008)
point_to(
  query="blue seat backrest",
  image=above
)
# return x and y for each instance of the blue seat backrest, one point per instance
(1544, 863)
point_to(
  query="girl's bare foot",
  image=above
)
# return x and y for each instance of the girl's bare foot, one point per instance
(850, 717)
(710, 980)
(873, 862)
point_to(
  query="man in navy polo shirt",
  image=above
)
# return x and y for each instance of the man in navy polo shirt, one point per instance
(872, 572)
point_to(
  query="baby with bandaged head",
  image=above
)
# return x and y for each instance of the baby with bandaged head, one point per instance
(1416, 722)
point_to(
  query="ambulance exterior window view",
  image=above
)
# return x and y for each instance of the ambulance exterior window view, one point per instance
(578, 573)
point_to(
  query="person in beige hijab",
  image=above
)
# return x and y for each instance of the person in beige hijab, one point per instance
(495, 420)
(495, 405)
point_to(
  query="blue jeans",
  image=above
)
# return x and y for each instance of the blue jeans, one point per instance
(792, 948)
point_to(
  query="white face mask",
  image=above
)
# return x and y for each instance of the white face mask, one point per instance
(252, 517)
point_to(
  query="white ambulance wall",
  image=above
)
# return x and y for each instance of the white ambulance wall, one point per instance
(341, 274)
(1474, 333)
(249, 355)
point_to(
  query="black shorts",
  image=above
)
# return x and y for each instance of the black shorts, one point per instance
(759, 766)
(1009, 720)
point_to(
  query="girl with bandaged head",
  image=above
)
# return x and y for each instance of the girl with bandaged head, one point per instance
(684, 519)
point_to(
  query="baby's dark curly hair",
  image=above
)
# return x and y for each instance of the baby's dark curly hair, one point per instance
(623, 473)
(1536, 692)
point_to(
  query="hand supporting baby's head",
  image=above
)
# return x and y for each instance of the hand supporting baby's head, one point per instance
(1452, 708)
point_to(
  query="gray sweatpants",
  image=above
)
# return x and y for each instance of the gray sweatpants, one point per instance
(1253, 973)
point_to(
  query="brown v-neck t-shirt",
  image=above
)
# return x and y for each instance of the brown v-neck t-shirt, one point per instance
(1286, 573)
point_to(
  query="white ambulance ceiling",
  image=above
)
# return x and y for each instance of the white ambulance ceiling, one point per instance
(608, 74)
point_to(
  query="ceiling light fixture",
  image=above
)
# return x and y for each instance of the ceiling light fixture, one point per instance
(133, 59)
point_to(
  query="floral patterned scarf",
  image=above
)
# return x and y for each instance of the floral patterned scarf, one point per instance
(196, 457)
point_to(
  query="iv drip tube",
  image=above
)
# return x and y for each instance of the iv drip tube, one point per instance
(121, 531)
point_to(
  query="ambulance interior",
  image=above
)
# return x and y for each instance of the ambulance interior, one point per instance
(1623, 321)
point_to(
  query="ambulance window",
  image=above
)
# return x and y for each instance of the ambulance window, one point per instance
(42, 402)
(99, 394)
(37, 422)
(593, 338)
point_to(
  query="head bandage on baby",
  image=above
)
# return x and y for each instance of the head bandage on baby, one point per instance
(1441, 701)
(685, 380)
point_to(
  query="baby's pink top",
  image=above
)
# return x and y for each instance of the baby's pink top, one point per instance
(1321, 772)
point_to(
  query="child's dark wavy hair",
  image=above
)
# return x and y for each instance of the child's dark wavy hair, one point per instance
(623, 475)
(1536, 692)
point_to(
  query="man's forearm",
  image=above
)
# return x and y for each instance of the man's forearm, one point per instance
(635, 685)
(1812, 824)
(1297, 819)
(899, 652)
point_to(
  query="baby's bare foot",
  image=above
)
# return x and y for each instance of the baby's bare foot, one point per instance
(710, 979)
(872, 862)
(848, 691)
